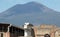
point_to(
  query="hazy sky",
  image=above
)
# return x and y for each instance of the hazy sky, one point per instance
(53, 4)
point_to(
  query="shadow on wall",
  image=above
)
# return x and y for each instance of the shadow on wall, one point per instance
(32, 33)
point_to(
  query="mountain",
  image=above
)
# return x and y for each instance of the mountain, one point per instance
(32, 12)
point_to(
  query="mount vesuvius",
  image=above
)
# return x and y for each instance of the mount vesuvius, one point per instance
(32, 12)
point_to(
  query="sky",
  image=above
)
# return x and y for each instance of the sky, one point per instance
(6, 4)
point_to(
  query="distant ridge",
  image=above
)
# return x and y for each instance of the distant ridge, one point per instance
(34, 12)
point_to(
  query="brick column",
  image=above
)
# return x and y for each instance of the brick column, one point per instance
(35, 31)
(52, 33)
(7, 34)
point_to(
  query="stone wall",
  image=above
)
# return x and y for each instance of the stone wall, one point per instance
(51, 30)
